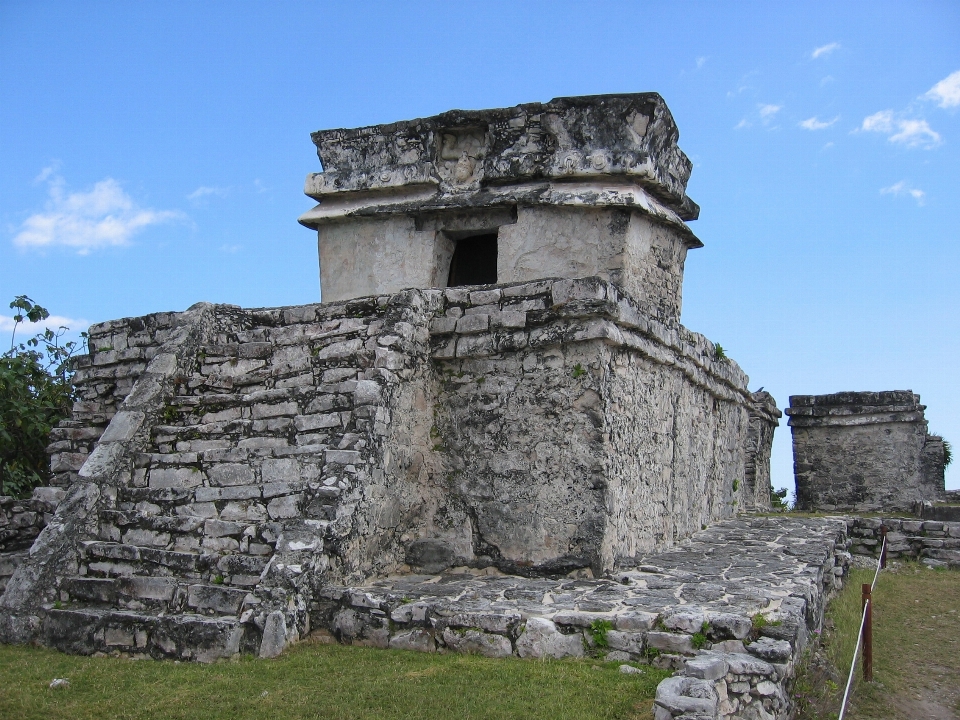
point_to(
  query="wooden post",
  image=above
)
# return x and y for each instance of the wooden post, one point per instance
(867, 605)
(883, 546)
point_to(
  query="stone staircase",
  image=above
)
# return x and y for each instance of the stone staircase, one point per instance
(237, 494)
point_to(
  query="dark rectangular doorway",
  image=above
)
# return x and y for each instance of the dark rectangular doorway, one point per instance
(474, 261)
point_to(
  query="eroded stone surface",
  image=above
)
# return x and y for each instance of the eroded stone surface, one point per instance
(864, 452)
(575, 187)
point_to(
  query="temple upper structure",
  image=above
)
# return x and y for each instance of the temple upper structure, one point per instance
(576, 187)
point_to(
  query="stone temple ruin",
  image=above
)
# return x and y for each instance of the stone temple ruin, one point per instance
(492, 433)
(865, 451)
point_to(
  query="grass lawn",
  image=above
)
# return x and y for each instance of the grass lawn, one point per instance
(314, 680)
(916, 648)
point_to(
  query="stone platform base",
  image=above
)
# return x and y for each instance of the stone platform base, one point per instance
(731, 609)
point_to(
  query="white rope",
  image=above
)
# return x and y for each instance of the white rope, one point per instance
(879, 560)
(863, 620)
(853, 665)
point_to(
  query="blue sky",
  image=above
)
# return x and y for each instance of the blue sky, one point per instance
(152, 155)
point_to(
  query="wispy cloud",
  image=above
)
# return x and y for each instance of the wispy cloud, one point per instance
(816, 124)
(824, 50)
(901, 188)
(767, 112)
(911, 132)
(100, 217)
(701, 61)
(205, 191)
(54, 322)
(946, 93)
(231, 248)
(743, 124)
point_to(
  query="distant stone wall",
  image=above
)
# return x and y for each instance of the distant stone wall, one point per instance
(933, 542)
(20, 523)
(764, 419)
(864, 452)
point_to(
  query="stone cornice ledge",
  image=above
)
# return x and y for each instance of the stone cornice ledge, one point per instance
(578, 310)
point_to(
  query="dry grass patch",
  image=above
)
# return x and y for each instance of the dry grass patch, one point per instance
(916, 646)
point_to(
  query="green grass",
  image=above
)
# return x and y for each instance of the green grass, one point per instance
(916, 643)
(314, 680)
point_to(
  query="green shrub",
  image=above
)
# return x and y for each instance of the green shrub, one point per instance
(35, 394)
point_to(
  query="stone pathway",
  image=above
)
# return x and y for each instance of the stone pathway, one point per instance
(732, 608)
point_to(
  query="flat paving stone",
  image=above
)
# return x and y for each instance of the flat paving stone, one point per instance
(774, 565)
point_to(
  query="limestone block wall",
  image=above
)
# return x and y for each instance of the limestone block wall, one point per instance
(578, 432)
(864, 451)
(119, 351)
(622, 246)
(933, 542)
(764, 419)
(259, 455)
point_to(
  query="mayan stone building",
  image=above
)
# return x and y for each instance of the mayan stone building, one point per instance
(497, 381)
(864, 451)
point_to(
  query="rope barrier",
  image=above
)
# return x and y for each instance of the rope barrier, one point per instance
(866, 613)
(853, 666)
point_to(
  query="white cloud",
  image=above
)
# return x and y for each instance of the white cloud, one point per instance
(701, 61)
(824, 50)
(915, 132)
(205, 191)
(946, 93)
(827, 80)
(879, 122)
(101, 217)
(28, 329)
(231, 248)
(768, 111)
(908, 131)
(741, 125)
(816, 124)
(901, 188)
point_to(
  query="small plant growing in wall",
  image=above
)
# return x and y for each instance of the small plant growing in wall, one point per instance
(599, 630)
(947, 454)
(736, 485)
(719, 353)
(699, 638)
(578, 371)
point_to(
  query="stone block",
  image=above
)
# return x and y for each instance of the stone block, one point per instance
(231, 474)
(283, 470)
(219, 528)
(305, 423)
(417, 639)
(274, 638)
(541, 639)
(687, 695)
(471, 324)
(148, 588)
(626, 641)
(670, 642)
(270, 410)
(706, 666)
(477, 642)
(219, 599)
(245, 511)
(175, 477)
(285, 507)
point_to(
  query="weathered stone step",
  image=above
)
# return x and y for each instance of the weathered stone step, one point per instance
(182, 637)
(159, 593)
(125, 553)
